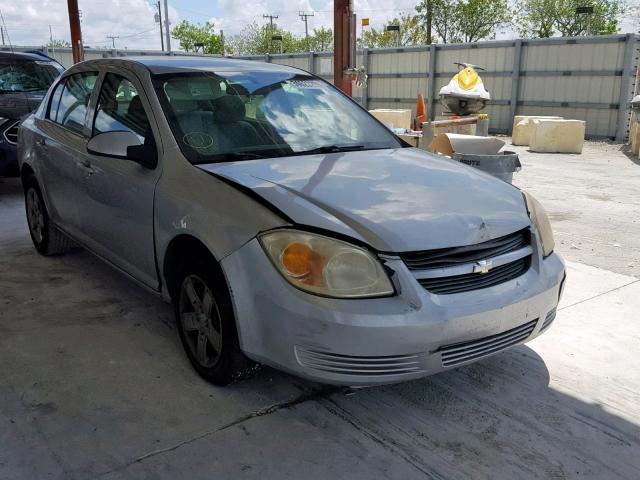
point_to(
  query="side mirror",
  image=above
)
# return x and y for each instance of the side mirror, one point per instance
(124, 145)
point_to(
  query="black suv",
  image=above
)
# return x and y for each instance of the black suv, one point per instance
(24, 80)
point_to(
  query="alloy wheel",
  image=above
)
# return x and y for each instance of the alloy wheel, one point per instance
(200, 321)
(35, 215)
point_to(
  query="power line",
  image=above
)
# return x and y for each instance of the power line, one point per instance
(5, 31)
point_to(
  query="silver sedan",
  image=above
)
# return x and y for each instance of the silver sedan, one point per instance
(285, 224)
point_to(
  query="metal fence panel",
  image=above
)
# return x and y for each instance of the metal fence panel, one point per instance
(588, 78)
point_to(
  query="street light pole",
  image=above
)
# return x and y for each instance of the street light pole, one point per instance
(160, 23)
(166, 25)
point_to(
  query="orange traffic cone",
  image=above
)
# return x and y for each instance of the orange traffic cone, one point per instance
(421, 113)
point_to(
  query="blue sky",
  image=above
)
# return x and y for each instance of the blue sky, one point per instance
(29, 21)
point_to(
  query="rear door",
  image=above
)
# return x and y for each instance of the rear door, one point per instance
(61, 147)
(120, 193)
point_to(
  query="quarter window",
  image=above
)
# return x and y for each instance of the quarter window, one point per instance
(120, 108)
(55, 101)
(70, 108)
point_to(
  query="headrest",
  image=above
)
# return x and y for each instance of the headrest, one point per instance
(137, 118)
(135, 107)
(228, 109)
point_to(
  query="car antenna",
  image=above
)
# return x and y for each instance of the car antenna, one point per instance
(7, 31)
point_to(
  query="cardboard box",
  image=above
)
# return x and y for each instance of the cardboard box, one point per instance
(393, 118)
(558, 136)
(448, 143)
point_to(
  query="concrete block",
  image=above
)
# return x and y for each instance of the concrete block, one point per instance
(523, 127)
(557, 136)
(393, 118)
(634, 137)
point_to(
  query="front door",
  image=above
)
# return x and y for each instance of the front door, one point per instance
(120, 193)
(61, 145)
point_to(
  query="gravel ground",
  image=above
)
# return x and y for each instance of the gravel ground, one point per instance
(593, 201)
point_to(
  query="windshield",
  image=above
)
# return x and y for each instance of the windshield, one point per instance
(26, 76)
(256, 114)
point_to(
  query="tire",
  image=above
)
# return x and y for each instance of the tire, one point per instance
(206, 323)
(47, 239)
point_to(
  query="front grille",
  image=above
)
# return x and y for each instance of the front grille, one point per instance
(475, 281)
(447, 257)
(549, 319)
(459, 353)
(357, 365)
(11, 133)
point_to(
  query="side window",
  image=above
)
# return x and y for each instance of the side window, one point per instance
(120, 108)
(72, 106)
(55, 101)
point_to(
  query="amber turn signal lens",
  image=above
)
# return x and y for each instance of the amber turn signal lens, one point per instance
(297, 259)
(325, 266)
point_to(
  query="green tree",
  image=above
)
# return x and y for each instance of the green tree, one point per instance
(257, 39)
(411, 33)
(320, 40)
(58, 44)
(445, 18)
(536, 18)
(189, 34)
(544, 18)
(457, 21)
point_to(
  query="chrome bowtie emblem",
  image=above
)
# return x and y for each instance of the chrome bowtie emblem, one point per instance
(483, 266)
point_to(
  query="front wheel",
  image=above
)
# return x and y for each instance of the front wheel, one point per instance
(205, 320)
(47, 239)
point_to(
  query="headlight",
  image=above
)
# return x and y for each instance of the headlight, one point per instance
(325, 266)
(541, 221)
(2, 120)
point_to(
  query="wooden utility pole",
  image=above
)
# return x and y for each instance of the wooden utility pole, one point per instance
(113, 40)
(271, 19)
(341, 24)
(305, 16)
(76, 32)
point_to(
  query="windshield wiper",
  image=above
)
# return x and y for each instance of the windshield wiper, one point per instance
(229, 156)
(330, 149)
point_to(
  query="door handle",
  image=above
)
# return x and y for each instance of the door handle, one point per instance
(41, 142)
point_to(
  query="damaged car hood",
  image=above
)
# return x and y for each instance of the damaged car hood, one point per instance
(395, 200)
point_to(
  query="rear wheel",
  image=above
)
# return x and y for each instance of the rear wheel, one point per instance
(206, 323)
(47, 239)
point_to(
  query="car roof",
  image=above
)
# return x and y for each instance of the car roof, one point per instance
(158, 64)
(26, 56)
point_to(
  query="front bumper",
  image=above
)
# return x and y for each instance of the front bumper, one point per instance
(384, 340)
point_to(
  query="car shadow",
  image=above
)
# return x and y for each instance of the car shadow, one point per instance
(506, 416)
